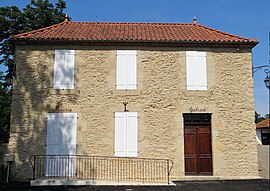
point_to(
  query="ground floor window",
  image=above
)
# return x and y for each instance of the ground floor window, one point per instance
(61, 142)
(126, 134)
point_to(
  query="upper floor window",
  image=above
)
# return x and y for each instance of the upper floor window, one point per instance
(64, 69)
(196, 70)
(126, 72)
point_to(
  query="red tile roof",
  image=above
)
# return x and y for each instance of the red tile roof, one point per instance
(264, 123)
(131, 32)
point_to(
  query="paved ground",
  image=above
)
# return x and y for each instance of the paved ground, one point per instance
(263, 160)
(236, 185)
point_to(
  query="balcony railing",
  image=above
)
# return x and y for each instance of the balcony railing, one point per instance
(147, 170)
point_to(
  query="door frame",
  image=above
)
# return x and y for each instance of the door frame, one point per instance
(198, 124)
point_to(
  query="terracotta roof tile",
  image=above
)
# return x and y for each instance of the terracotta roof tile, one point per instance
(109, 31)
(264, 123)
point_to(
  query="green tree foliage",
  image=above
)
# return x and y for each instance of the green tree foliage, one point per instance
(37, 14)
(258, 117)
(5, 101)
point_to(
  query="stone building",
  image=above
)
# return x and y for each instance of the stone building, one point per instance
(133, 92)
(263, 132)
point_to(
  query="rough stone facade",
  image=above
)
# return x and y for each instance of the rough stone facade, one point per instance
(160, 100)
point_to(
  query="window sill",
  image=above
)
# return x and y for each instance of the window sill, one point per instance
(199, 93)
(63, 92)
(126, 92)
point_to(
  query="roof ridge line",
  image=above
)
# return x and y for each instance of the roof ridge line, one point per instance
(38, 30)
(111, 22)
(226, 33)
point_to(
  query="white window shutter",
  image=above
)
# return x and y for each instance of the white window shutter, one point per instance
(126, 134)
(202, 73)
(52, 145)
(191, 73)
(196, 70)
(69, 132)
(132, 134)
(120, 134)
(64, 69)
(61, 133)
(69, 72)
(53, 134)
(121, 71)
(131, 67)
(61, 140)
(59, 64)
(126, 72)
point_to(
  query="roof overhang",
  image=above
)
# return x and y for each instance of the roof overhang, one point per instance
(137, 43)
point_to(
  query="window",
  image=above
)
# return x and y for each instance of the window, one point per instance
(196, 70)
(61, 140)
(126, 72)
(64, 69)
(126, 134)
(61, 133)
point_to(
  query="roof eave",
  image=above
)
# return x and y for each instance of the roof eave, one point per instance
(239, 44)
(263, 127)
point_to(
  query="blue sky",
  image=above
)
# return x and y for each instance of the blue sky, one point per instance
(248, 18)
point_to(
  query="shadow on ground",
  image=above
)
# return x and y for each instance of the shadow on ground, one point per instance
(233, 185)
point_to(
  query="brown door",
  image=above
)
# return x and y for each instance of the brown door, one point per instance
(198, 150)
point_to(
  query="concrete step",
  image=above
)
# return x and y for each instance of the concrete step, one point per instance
(75, 182)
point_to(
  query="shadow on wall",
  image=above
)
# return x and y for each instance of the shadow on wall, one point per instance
(31, 101)
(3, 151)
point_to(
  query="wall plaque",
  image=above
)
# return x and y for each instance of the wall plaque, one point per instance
(196, 109)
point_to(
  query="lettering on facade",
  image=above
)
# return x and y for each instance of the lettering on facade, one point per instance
(196, 109)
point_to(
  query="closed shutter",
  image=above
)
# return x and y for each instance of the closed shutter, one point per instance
(121, 71)
(126, 134)
(131, 67)
(53, 134)
(69, 144)
(64, 69)
(126, 70)
(132, 134)
(120, 134)
(196, 70)
(68, 133)
(61, 140)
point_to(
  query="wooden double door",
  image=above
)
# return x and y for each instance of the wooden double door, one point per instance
(198, 144)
